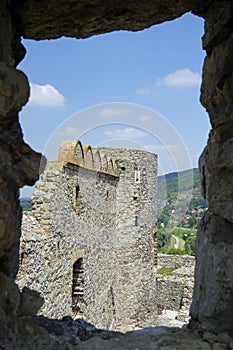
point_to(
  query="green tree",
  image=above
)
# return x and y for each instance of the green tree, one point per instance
(175, 251)
(190, 245)
(163, 239)
(192, 221)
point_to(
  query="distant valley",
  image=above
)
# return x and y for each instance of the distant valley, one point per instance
(181, 207)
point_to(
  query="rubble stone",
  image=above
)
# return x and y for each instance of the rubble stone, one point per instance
(211, 312)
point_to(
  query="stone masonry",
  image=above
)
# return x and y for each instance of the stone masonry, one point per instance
(175, 291)
(87, 247)
(212, 307)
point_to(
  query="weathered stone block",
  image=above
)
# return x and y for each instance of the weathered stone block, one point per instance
(30, 302)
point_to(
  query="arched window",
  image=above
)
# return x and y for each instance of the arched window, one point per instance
(78, 287)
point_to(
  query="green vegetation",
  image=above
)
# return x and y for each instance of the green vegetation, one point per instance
(176, 234)
(190, 245)
(175, 251)
(166, 240)
(163, 239)
(167, 270)
(26, 204)
(188, 180)
(174, 240)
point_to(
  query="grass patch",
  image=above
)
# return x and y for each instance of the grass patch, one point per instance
(167, 270)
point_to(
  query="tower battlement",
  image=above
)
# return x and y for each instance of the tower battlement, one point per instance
(83, 155)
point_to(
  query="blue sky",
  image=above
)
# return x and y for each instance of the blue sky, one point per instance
(115, 89)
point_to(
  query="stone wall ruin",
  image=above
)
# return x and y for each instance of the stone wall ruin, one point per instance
(175, 291)
(86, 256)
(212, 308)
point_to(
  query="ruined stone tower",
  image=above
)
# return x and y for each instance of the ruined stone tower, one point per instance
(135, 219)
(89, 250)
(212, 308)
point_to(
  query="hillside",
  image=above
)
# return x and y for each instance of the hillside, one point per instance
(179, 192)
(180, 208)
(186, 180)
(26, 203)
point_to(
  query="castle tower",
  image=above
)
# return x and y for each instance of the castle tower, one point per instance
(87, 246)
(136, 216)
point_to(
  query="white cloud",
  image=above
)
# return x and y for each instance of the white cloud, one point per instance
(45, 95)
(69, 131)
(145, 118)
(143, 91)
(110, 113)
(130, 133)
(181, 77)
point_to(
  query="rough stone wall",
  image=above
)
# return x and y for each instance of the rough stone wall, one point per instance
(68, 233)
(49, 19)
(110, 228)
(135, 220)
(166, 260)
(169, 292)
(175, 291)
(212, 304)
(212, 307)
(19, 165)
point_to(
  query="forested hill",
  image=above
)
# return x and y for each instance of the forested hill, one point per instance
(180, 207)
(188, 179)
(185, 183)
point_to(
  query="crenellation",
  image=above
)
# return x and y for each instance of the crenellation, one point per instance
(74, 152)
